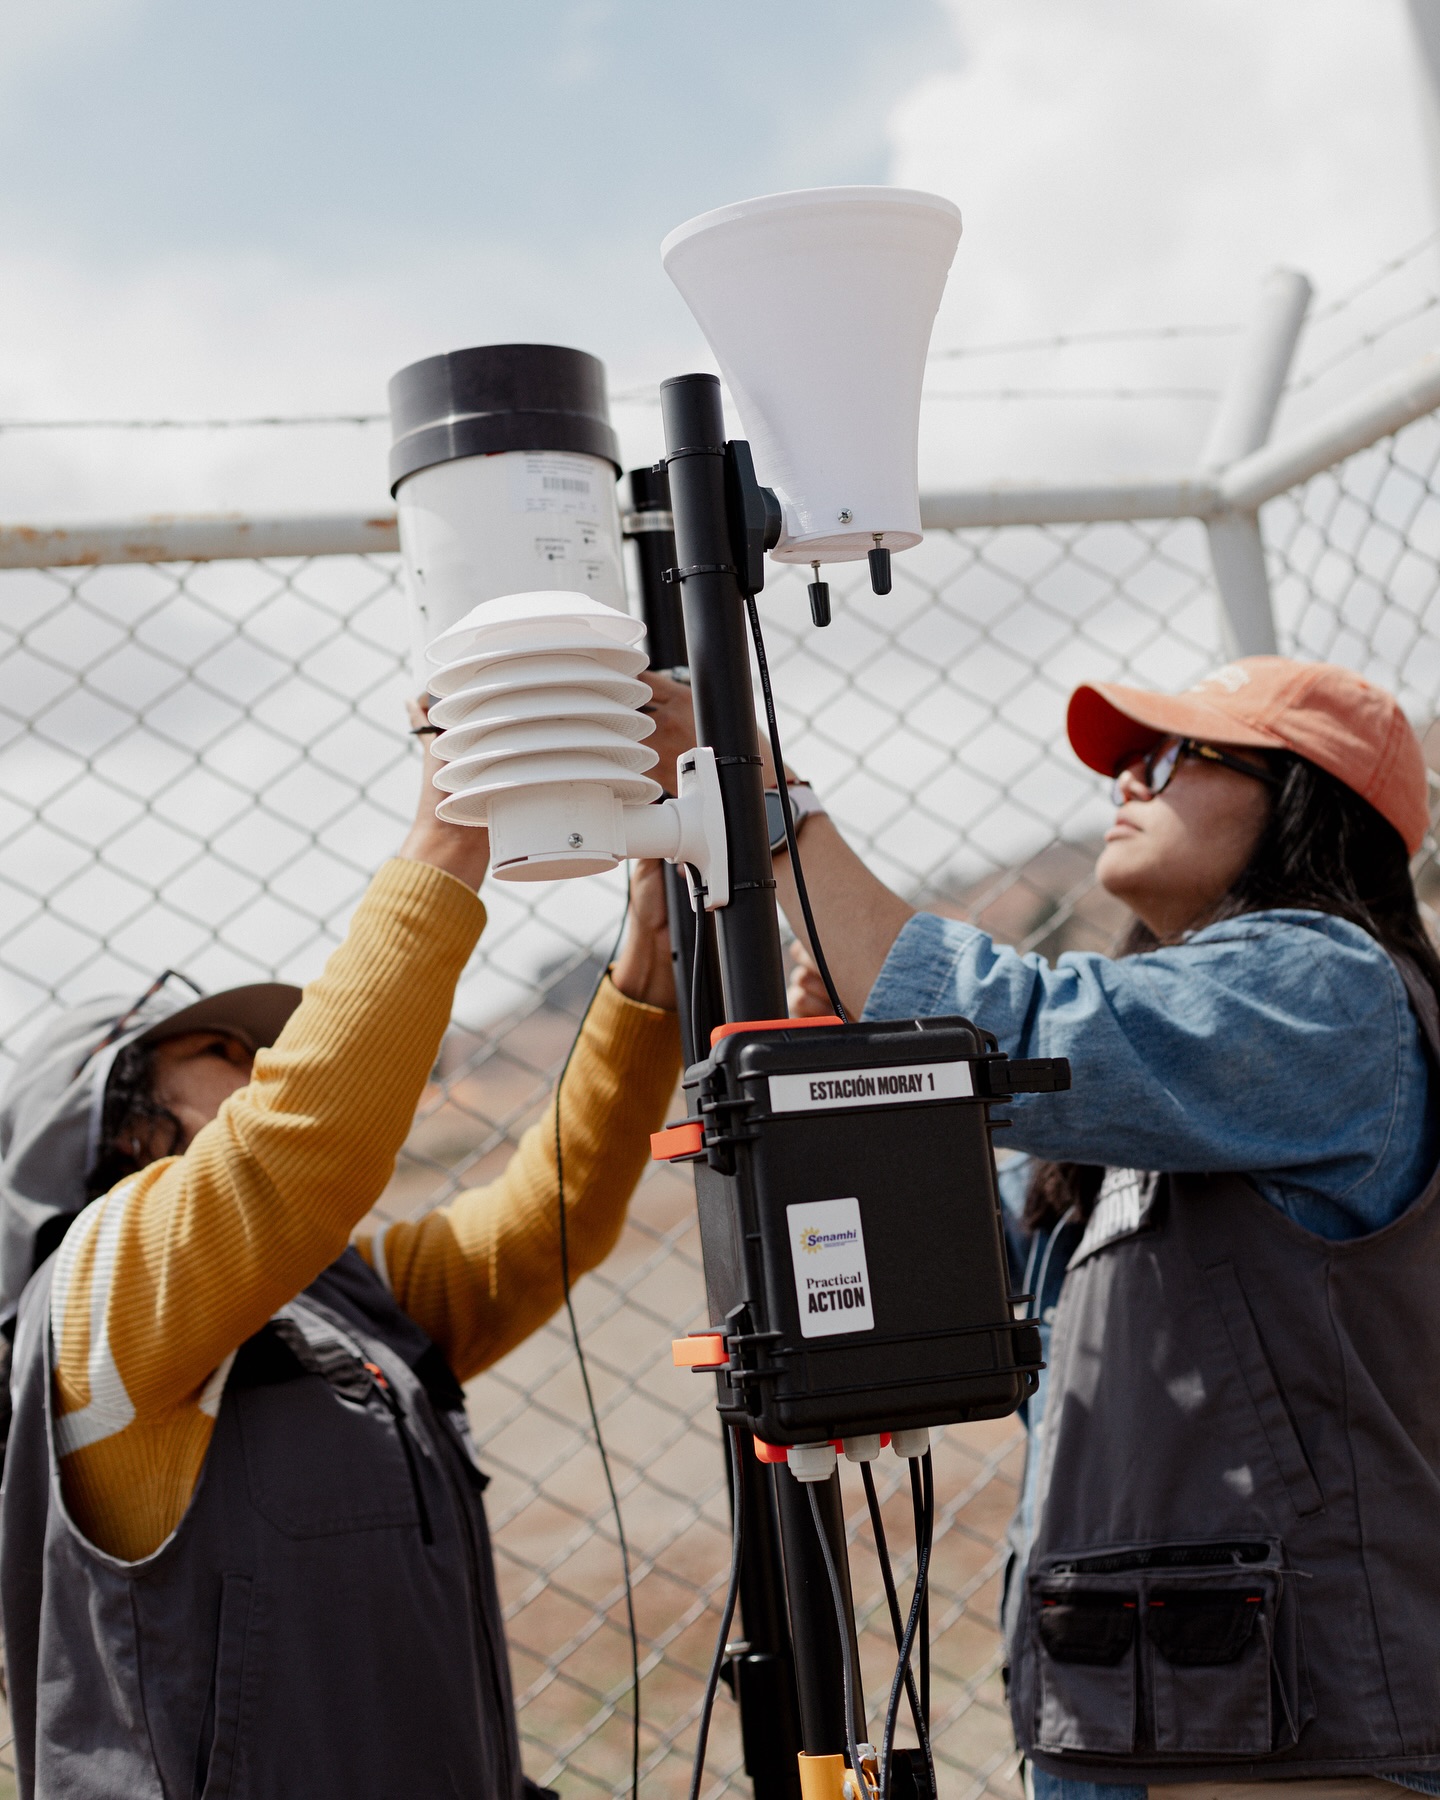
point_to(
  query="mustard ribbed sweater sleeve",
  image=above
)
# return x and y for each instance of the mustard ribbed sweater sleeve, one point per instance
(158, 1283)
(481, 1273)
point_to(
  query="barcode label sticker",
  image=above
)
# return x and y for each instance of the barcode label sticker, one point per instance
(871, 1087)
(544, 481)
(832, 1278)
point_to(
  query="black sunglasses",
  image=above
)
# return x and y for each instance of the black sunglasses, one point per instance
(1159, 763)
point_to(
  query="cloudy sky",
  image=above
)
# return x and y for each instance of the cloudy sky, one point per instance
(239, 209)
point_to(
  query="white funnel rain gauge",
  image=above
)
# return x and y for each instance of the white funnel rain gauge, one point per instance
(818, 306)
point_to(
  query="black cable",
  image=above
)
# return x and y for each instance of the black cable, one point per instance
(887, 1575)
(732, 1593)
(585, 1368)
(791, 843)
(918, 1492)
(697, 967)
(842, 1621)
(912, 1624)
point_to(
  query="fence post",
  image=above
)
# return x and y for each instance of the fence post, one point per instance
(1242, 424)
(1425, 38)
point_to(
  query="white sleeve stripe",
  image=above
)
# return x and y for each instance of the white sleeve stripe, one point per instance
(110, 1408)
(66, 1258)
(377, 1252)
(213, 1391)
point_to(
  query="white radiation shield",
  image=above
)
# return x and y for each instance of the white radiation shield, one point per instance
(818, 306)
(542, 741)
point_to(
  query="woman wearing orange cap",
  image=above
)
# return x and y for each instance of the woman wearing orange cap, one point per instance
(1226, 1562)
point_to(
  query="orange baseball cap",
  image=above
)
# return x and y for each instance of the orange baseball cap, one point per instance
(1331, 716)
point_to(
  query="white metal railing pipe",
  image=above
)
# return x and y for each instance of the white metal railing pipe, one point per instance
(1382, 409)
(1093, 504)
(1241, 425)
(195, 537)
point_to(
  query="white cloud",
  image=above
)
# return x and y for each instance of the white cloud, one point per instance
(1145, 162)
(37, 31)
(1118, 162)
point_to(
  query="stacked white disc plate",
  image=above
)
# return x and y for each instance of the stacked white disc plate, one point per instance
(538, 691)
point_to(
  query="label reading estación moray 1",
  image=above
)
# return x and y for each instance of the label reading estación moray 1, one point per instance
(871, 1087)
(832, 1279)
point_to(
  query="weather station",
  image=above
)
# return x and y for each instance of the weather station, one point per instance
(856, 1280)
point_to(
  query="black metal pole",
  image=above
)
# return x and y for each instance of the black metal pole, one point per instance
(649, 528)
(762, 1671)
(751, 964)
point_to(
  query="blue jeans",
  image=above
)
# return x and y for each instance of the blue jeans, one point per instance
(1058, 1787)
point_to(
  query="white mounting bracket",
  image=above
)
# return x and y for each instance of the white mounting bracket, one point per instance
(689, 831)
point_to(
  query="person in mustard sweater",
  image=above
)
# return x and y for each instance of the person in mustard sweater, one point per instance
(242, 1544)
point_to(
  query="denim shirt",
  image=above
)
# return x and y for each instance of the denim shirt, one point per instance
(1280, 1045)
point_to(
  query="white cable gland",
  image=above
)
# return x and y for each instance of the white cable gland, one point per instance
(811, 1462)
(862, 1449)
(910, 1444)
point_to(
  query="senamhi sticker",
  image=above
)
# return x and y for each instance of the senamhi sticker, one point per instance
(832, 1280)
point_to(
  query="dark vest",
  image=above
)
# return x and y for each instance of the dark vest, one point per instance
(322, 1622)
(1235, 1572)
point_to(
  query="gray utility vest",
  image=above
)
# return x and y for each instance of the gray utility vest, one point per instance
(323, 1621)
(1235, 1573)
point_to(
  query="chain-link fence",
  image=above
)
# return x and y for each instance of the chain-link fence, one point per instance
(201, 765)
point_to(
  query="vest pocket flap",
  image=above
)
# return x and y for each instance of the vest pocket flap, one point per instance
(1087, 1627)
(1202, 1628)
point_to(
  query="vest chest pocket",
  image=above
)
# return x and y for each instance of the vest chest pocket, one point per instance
(1178, 1650)
(318, 1464)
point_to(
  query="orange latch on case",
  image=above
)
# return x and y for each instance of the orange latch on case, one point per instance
(675, 1141)
(701, 1350)
(724, 1031)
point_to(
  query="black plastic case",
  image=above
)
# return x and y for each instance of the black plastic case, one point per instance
(850, 1167)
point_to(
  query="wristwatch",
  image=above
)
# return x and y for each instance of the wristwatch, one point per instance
(803, 802)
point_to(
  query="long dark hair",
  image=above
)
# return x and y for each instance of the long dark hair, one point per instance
(1323, 850)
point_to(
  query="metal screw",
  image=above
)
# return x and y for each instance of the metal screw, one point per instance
(575, 840)
(846, 515)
